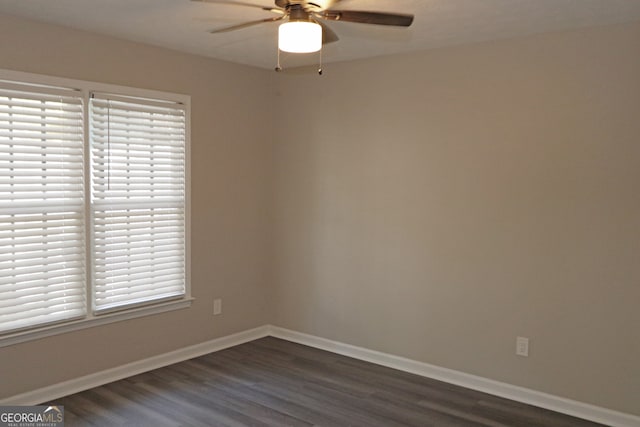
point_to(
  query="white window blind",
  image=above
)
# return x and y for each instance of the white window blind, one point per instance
(42, 249)
(137, 200)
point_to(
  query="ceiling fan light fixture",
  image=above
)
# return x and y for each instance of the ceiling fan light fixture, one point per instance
(300, 37)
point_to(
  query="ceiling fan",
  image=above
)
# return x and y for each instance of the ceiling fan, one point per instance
(303, 30)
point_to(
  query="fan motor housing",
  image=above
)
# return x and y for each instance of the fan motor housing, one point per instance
(308, 6)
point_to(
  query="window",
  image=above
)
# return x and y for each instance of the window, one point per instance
(93, 204)
(42, 254)
(137, 203)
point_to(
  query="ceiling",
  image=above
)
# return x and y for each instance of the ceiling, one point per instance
(183, 24)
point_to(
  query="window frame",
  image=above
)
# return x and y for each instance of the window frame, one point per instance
(91, 318)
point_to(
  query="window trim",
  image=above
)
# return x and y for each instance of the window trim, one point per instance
(91, 319)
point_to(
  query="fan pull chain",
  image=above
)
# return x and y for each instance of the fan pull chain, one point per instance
(278, 67)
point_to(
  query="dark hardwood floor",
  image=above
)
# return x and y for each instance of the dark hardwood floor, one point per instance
(272, 382)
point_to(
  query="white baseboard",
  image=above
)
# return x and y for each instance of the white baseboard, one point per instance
(86, 382)
(508, 391)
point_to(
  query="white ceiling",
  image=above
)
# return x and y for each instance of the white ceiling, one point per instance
(183, 24)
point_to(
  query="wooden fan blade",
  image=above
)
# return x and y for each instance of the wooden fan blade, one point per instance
(328, 35)
(362, 17)
(240, 3)
(245, 25)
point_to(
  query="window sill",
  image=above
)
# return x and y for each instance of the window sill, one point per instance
(91, 321)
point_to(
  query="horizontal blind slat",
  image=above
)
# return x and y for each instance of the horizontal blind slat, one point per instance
(120, 294)
(29, 300)
(42, 316)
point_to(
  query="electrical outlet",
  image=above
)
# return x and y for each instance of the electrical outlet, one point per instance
(522, 346)
(217, 306)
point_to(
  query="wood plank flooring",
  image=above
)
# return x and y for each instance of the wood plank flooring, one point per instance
(272, 382)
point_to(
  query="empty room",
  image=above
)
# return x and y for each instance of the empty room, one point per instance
(320, 213)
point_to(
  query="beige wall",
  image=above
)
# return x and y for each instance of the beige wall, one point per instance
(432, 205)
(231, 187)
(437, 205)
